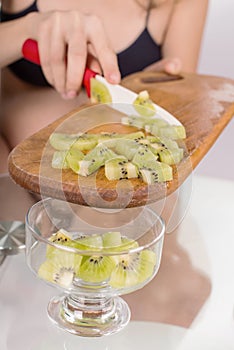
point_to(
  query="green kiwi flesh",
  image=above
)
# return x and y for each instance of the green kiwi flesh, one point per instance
(59, 160)
(115, 266)
(119, 168)
(94, 159)
(144, 105)
(85, 153)
(133, 269)
(62, 142)
(73, 157)
(99, 93)
(61, 267)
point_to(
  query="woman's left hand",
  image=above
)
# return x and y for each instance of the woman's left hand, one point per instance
(167, 65)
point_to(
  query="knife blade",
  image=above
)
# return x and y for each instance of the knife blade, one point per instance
(122, 98)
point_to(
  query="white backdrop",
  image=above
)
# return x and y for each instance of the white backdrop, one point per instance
(217, 58)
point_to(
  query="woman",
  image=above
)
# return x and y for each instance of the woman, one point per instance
(116, 38)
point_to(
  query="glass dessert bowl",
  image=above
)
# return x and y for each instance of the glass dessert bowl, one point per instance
(93, 257)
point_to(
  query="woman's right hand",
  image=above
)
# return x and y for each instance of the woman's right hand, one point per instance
(68, 41)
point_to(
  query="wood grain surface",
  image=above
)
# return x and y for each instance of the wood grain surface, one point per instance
(203, 104)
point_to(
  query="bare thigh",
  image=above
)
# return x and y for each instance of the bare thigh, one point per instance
(26, 109)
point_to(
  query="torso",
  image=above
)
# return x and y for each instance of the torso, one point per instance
(128, 20)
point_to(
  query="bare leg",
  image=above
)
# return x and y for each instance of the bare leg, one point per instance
(4, 152)
(26, 108)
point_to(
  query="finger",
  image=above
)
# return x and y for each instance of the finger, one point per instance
(76, 62)
(173, 66)
(58, 60)
(168, 65)
(44, 49)
(103, 51)
(93, 64)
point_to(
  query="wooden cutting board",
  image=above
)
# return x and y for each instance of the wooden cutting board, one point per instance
(203, 104)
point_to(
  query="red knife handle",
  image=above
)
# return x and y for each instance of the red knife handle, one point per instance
(31, 53)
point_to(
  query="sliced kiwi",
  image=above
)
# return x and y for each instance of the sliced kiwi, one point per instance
(147, 265)
(159, 172)
(174, 132)
(110, 138)
(99, 93)
(91, 242)
(170, 156)
(111, 239)
(119, 168)
(96, 268)
(59, 160)
(154, 126)
(120, 269)
(73, 157)
(150, 169)
(138, 122)
(144, 105)
(141, 122)
(60, 268)
(143, 157)
(126, 147)
(85, 142)
(60, 237)
(133, 269)
(62, 142)
(94, 159)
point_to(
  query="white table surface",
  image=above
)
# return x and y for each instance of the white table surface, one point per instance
(206, 235)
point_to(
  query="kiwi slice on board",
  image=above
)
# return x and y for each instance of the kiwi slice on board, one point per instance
(170, 156)
(62, 142)
(154, 128)
(143, 157)
(161, 172)
(119, 168)
(144, 105)
(73, 157)
(59, 160)
(126, 147)
(85, 142)
(151, 170)
(99, 93)
(174, 132)
(94, 159)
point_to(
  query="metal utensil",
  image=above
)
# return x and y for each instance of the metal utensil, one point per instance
(12, 238)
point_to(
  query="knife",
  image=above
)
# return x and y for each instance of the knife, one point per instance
(122, 98)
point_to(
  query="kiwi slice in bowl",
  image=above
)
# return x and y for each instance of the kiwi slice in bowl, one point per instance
(133, 269)
(60, 237)
(109, 259)
(60, 268)
(99, 93)
(96, 268)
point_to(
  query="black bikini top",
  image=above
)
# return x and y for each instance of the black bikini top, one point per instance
(140, 54)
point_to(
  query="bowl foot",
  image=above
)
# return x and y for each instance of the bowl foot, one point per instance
(89, 317)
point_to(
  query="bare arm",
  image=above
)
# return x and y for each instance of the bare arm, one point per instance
(182, 41)
(12, 36)
(184, 34)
